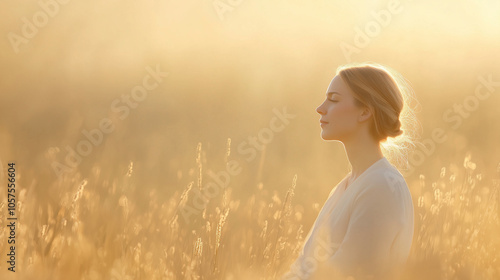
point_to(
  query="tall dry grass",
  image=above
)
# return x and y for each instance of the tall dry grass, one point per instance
(99, 230)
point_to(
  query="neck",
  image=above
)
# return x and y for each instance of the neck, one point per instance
(362, 152)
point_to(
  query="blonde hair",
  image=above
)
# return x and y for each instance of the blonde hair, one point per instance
(389, 97)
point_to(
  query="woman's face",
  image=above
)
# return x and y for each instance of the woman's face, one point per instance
(340, 117)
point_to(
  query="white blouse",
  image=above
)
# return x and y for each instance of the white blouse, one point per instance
(363, 231)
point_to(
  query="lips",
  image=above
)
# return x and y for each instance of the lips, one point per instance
(323, 122)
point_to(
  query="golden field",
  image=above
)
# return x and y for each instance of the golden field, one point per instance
(118, 116)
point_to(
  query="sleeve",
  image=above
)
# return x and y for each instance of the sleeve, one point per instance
(375, 220)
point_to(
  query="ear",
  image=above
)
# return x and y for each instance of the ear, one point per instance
(365, 114)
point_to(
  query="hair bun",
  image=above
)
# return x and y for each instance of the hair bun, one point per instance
(397, 133)
(396, 129)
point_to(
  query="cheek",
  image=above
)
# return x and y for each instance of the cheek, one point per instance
(342, 111)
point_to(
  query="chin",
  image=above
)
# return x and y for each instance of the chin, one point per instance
(331, 136)
(328, 137)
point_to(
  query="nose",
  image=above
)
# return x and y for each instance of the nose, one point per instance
(320, 109)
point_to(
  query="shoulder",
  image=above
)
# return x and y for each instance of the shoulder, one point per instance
(384, 196)
(386, 182)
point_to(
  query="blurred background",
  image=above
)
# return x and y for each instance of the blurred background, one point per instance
(229, 64)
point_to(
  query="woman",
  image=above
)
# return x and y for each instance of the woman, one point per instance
(365, 227)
